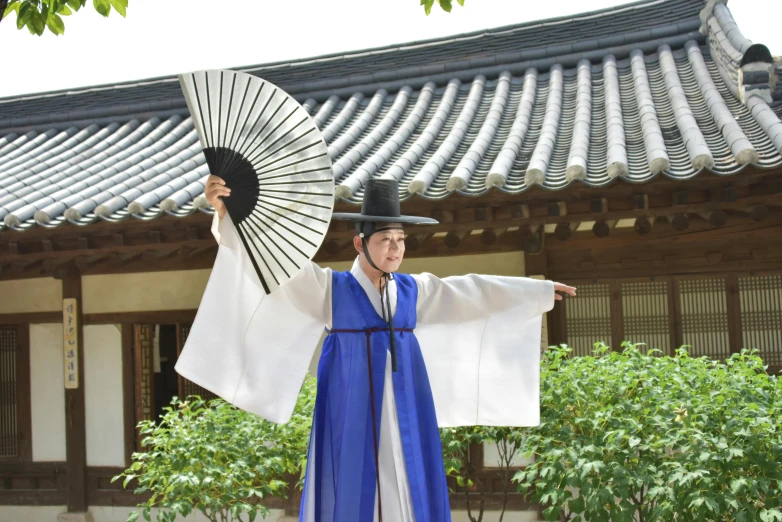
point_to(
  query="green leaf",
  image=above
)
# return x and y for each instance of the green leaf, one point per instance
(102, 6)
(12, 7)
(132, 517)
(461, 2)
(75, 4)
(427, 6)
(446, 5)
(35, 22)
(22, 15)
(120, 6)
(771, 515)
(55, 24)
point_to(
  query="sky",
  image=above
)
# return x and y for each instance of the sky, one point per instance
(166, 37)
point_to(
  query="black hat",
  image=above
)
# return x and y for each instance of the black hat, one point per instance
(381, 205)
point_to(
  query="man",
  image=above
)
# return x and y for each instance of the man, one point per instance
(375, 448)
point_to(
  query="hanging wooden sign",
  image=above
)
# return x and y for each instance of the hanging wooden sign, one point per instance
(70, 343)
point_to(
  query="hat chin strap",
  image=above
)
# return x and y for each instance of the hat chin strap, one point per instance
(383, 294)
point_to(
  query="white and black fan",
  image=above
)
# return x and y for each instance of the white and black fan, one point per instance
(273, 158)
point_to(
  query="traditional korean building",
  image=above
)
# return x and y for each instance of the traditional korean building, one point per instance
(633, 151)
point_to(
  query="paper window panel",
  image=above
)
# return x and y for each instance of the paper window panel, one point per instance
(760, 299)
(646, 314)
(588, 318)
(704, 317)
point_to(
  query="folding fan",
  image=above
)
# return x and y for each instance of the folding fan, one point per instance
(273, 158)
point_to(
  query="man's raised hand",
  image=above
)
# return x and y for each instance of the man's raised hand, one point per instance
(215, 189)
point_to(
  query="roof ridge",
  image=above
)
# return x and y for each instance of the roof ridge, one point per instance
(388, 49)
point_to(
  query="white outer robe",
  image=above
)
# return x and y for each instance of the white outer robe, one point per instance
(479, 335)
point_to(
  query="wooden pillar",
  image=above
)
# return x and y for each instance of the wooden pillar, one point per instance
(128, 391)
(75, 425)
(734, 313)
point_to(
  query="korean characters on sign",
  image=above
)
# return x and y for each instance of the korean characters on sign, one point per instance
(70, 343)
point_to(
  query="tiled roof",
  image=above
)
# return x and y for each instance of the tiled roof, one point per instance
(655, 88)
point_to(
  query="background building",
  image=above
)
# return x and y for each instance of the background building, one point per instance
(633, 151)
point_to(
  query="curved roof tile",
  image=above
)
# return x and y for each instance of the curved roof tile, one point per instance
(633, 91)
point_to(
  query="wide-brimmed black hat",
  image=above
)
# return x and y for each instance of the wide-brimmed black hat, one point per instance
(381, 205)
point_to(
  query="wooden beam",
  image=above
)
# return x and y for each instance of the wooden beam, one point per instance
(75, 427)
(453, 239)
(598, 205)
(758, 212)
(642, 225)
(716, 218)
(681, 197)
(519, 212)
(332, 246)
(564, 231)
(488, 237)
(640, 202)
(412, 242)
(601, 229)
(31, 318)
(557, 209)
(680, 221)
(534, 240)
(443, 216)
(156, 317)
(729, 194)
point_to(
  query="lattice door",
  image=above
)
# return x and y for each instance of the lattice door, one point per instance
(9, 428)
(703, 306)
(646, 314)
(760, 301)
(186, 387)
(588, 317)
(143, 340)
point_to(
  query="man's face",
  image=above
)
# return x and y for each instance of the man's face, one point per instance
(387, 247)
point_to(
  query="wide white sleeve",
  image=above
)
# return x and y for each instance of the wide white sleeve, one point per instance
(480, 338)
(253, 349)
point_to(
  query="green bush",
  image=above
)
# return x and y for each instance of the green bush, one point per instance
(631, 436)
(623, 436)
(218, 459)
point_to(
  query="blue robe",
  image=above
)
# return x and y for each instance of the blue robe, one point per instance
(343, 440)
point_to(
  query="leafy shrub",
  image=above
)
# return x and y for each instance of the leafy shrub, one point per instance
(623, 436)
(218, 459)
(631, 436)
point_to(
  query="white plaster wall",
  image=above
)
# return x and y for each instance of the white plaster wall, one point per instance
(503, 263)
(103, 395)
(43, 294)
(182, 290)
(491, 457)
(30, 514)
(174, 290)
(47, 392)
